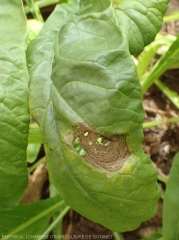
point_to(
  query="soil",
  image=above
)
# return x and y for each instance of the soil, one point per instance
(161, 143)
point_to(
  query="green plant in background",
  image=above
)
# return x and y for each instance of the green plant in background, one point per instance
(86, 98)
(170, 219)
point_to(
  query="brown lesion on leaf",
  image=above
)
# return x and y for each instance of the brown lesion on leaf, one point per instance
(107, 153)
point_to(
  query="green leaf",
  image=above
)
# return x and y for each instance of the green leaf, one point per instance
(56, 222)
(172, 95)
(145, 58)
(32, 152)
(171, 206)
(169, 60)
(28, 220)
(159, 46)
(14, 116)
(40, 61)
(94, 88)
(34, 28)
(140, 21)
(34, 134)
(93, 6)
(58, 229)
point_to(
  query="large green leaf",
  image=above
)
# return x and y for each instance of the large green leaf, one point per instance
(29, 220)
(14, 117)
(86, 6)
(171, 206)
(40, 56)
(93, 101)
(140, 20)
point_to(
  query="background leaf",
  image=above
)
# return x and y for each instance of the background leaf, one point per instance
(171, 206)
(159, 46)
(34, 28)
(140, 21)
(169, 60)
(32, 152)
(14, 116)
(29, 219)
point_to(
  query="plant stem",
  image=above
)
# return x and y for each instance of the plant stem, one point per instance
(41, 4)
(34, 9)
(162, 179)
(162, 196)
(117, 236)
(160, 122)
(55, 222)
(34, 166)
(172, 95)
(174, 16)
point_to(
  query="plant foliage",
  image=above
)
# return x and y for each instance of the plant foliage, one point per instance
(91, 112)
(14, 116)
(86, 97)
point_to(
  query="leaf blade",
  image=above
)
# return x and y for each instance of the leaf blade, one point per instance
(171, 207)
(141, 21)
(14, 116)
(42, 58)
(169, 59)
(92, 76)
(33, 222)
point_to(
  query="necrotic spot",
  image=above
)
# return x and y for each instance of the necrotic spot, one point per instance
(108, 153)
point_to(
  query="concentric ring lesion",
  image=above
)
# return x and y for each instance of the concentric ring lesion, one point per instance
(108, 153)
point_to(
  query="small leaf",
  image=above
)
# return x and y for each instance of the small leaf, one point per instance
(32, 152)
(169, 60)
(147, 55)
(34, 28)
